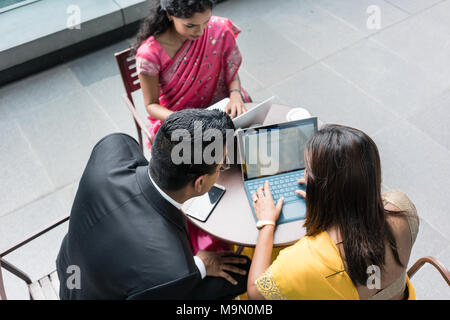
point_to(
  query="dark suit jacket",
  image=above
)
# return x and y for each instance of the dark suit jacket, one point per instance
(128, 241)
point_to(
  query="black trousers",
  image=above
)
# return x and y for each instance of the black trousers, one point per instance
(215, 288)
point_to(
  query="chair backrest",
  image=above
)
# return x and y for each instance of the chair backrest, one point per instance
(127, 68)
(130, 79)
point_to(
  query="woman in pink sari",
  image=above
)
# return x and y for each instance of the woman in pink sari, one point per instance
(187, 58)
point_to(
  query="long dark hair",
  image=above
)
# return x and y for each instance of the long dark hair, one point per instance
(344, 191)
(157, 21)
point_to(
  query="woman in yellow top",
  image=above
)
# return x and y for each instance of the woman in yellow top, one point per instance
(357, 242)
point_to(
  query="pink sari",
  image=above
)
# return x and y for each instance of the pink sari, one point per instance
(198, 76)
(200, 73)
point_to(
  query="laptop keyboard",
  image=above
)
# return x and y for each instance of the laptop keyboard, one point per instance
(281, 186)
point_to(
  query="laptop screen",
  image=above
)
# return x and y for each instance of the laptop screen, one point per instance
(276, 149)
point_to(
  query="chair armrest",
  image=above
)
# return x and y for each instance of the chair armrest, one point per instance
(434, 262)
(137, 118)
(13, 269)
(34, 236)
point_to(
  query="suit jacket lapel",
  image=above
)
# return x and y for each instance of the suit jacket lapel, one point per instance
(164, 207)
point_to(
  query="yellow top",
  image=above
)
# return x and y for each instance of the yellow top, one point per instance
(311, 269)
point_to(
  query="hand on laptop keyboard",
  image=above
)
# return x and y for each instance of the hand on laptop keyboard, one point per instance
(263, 203)
(236, 106)
(301, 192)
(281, 186)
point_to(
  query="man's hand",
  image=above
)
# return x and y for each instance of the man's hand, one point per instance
(217, 263)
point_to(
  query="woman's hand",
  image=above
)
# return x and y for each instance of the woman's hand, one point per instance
(265, 208)
(301, 192)
(236, 106)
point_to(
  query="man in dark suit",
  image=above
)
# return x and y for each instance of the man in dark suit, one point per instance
(127, 237)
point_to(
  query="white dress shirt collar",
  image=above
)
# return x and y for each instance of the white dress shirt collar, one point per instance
(165, 195)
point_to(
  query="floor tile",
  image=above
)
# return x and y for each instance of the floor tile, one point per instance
(360, 14)
(311, 28)
(328, 96)
(107, 93)
(437, 16)
(416, 164)
(434, 119)
(103, 60)
(66, 195)
(268, 56)
(264, 94)
(432, 53)
(30, 219)
(19, 98)
(429, 242)
(249, 82)
(23, 176)
(397, 83)
(413, 6)
(238, 11)
(429, 284)
(63, 133)
(15, 288)
(444, 258)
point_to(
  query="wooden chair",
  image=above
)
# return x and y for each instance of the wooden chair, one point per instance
(47, 287)
(127, 67)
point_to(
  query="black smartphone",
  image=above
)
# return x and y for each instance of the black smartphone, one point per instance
(200, 208)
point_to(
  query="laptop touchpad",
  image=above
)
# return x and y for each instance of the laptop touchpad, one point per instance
(294, 210)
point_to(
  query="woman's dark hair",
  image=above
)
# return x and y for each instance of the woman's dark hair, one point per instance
(200, 129)
(344, 191)
(157, 21)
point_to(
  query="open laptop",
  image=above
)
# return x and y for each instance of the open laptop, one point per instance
(255, 115)
(275, 153)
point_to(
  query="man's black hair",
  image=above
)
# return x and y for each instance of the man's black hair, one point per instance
(171, 176)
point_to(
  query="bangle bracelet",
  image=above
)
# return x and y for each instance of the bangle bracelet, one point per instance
(235, 90)
(262, 223)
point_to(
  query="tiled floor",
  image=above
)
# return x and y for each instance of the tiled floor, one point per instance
(393, 83)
